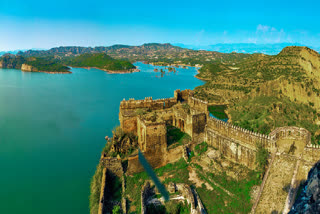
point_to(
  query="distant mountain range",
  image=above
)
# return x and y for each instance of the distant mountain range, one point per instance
(17, 51)
(271, 49)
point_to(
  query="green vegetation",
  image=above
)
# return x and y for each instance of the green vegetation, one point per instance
(116, 210)
(261, 158)
(258, 89)
(176, 136)
(263, 113)
(178, 173)
(201, 148)
(170, 207)
(218, 111)
(211, 70)
(95, 188)
(99, 60)
(47, 64)
(156, 209)
(219, 201)
(186, 107)
(12, 61)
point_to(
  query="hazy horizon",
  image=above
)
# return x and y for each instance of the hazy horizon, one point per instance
(42, 25)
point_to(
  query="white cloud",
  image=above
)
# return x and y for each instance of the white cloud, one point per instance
(268, 34)
(263, 28)
(273, 29)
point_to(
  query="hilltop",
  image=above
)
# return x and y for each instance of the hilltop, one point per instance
(53, 64)
(163, 54)
(99, 60)
(261, 86)
(33, 64)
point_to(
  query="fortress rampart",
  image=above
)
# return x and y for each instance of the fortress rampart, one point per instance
(191, 115)
(148, 119)
(148, 102)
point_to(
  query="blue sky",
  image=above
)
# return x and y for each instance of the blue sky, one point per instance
(46, 24)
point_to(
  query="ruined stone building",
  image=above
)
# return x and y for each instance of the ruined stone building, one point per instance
(292, 154)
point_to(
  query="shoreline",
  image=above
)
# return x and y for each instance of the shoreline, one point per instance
(201, 78)
(49, 72)
(172, 65)
(112, 72)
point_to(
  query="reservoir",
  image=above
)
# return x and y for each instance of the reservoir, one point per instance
(52, 129)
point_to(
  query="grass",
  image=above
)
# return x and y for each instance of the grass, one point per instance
(218, 111)
(201, 148)
(218, 201)
(175, 172)
(264, 113)
(95, 188)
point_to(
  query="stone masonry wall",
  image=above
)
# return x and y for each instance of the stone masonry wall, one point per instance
(102, 191)
(113, 164)
(235, 143)
(149, 103)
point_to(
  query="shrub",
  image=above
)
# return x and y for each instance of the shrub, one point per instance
(140, 112)
(116, 210)
(186, 107)
(201, 148)
(261, 157)
(118, 131)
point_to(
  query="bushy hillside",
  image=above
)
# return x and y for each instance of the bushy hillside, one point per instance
(253, 85)
(47, 64)
(98, 60)
(11, 61)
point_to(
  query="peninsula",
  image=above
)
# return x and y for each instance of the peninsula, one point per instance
(33, 64)
(54, 64)
(100, 61)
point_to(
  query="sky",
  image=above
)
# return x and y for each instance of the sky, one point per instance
(46, 24)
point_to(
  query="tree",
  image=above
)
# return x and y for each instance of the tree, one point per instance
(262, 155)
(116, 210)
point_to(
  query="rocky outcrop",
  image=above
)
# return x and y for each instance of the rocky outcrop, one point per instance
(28, 68)
(309, 199)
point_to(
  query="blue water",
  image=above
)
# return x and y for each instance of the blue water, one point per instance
(224, 120)
(52, 129)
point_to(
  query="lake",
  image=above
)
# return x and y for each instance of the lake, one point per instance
(52, 129)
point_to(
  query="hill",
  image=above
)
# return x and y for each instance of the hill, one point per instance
(33, 64)
(156, 53)
(260, 84)
(268, 48)
(99, 60)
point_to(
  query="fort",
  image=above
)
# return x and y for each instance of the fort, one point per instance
(290, 148)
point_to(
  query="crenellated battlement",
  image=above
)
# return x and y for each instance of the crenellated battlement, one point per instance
(245, 137)
(234, 142)
(148, 102)
(291, 132)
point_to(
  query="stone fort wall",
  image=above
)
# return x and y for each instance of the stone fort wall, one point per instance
(148, 102)
(235, 143)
